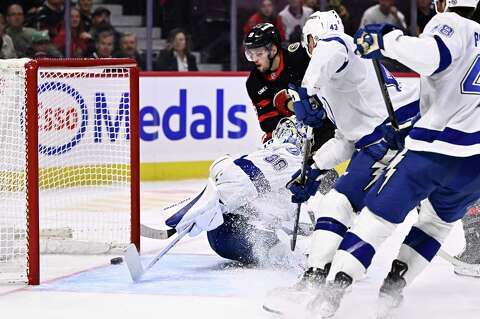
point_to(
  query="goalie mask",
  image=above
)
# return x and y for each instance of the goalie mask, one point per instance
(290, 131)
(319, 24)
(443, 5)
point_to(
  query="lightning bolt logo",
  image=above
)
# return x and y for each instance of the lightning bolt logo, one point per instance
(379, 166)
(392, 168)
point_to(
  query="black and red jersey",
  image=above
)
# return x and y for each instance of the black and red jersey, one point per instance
(262, 88)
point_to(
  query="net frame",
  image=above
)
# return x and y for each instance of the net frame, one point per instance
(32, 158)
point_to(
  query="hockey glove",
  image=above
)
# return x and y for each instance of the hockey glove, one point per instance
(395, 139)
(302, 192)
(308, 109)
(369, 40)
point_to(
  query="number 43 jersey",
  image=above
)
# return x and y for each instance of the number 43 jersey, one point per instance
(450, 97)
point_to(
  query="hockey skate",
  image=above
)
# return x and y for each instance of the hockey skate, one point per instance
(390, 296)
(327, 302)
(468, 261)
(292, 301)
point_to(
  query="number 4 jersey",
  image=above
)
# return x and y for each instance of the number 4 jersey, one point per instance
(447, 55)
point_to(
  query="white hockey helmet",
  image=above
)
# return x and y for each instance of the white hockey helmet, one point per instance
(320, 23)
(456, 3)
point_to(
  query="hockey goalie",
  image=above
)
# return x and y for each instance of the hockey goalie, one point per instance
(245, 208)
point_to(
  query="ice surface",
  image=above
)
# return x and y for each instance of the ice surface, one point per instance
(192, 282)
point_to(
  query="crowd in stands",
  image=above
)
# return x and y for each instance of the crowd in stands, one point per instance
(35, 28)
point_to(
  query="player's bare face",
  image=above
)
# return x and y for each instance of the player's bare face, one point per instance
(440, 5)
(259, 56)
(311, 44)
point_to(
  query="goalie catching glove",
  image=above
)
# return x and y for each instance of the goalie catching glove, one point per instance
(369, 40)
(308, 109)
(302, 191)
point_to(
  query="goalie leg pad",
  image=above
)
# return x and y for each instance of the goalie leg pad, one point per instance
(335, 216)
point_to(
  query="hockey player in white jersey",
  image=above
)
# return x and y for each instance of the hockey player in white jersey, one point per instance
(439, 165)
(344, 87)
(246, 202)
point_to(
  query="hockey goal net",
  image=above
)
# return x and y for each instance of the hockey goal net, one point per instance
(68, 160)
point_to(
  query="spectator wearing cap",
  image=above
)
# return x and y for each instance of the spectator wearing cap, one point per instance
(293, 17)
(21, 36)
(103, 45)
(177, 56)
(100, 23)
(384, 12)
(128, 49)
(85, 7)
(7, 50)
(50, 17)
(79, 38)
(42, 46)
(265, 14)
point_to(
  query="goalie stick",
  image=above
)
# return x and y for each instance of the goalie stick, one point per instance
(134, 264)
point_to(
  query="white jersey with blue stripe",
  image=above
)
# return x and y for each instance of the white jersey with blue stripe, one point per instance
(349, 89)
(448, 59)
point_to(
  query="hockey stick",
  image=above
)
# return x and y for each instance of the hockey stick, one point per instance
(306, 154)
(149, 232)
(386, 97)
(463, 268)
(134, 264)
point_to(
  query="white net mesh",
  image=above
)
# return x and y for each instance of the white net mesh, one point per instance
(84, 161)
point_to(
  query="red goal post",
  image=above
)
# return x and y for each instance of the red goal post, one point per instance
(70, 160)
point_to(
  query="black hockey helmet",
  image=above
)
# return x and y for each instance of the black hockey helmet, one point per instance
(261, 35)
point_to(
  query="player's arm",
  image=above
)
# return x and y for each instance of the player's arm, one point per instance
(335, 151)
(329, 58)
(431, 53)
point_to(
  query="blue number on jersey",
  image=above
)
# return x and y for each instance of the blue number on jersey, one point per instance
(471, 82)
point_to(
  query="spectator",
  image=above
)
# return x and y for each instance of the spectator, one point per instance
(7, 50)
(293, 17)
(41, 46)
(21, 36)
(50, 17)
(103, 45)
(101, 22)
(85, 7)
(266, 14)
(426, 11)
(177, 56)
(313, 4)
(344, 15)
(79, 38)
(128, 49)
(384, 12)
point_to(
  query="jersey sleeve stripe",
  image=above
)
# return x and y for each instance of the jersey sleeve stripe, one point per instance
(268, 115)
(445, 55)
(255, 174)
(263, 103)
(448, 135)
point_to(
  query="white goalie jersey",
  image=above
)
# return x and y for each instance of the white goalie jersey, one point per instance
(258, 180)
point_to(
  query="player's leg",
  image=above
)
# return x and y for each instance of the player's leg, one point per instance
(335, 211)
(409, 178)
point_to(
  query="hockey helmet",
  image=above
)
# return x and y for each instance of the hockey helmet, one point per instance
(320, 23)
(289, 130)
(456, 3)
(261, 36)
